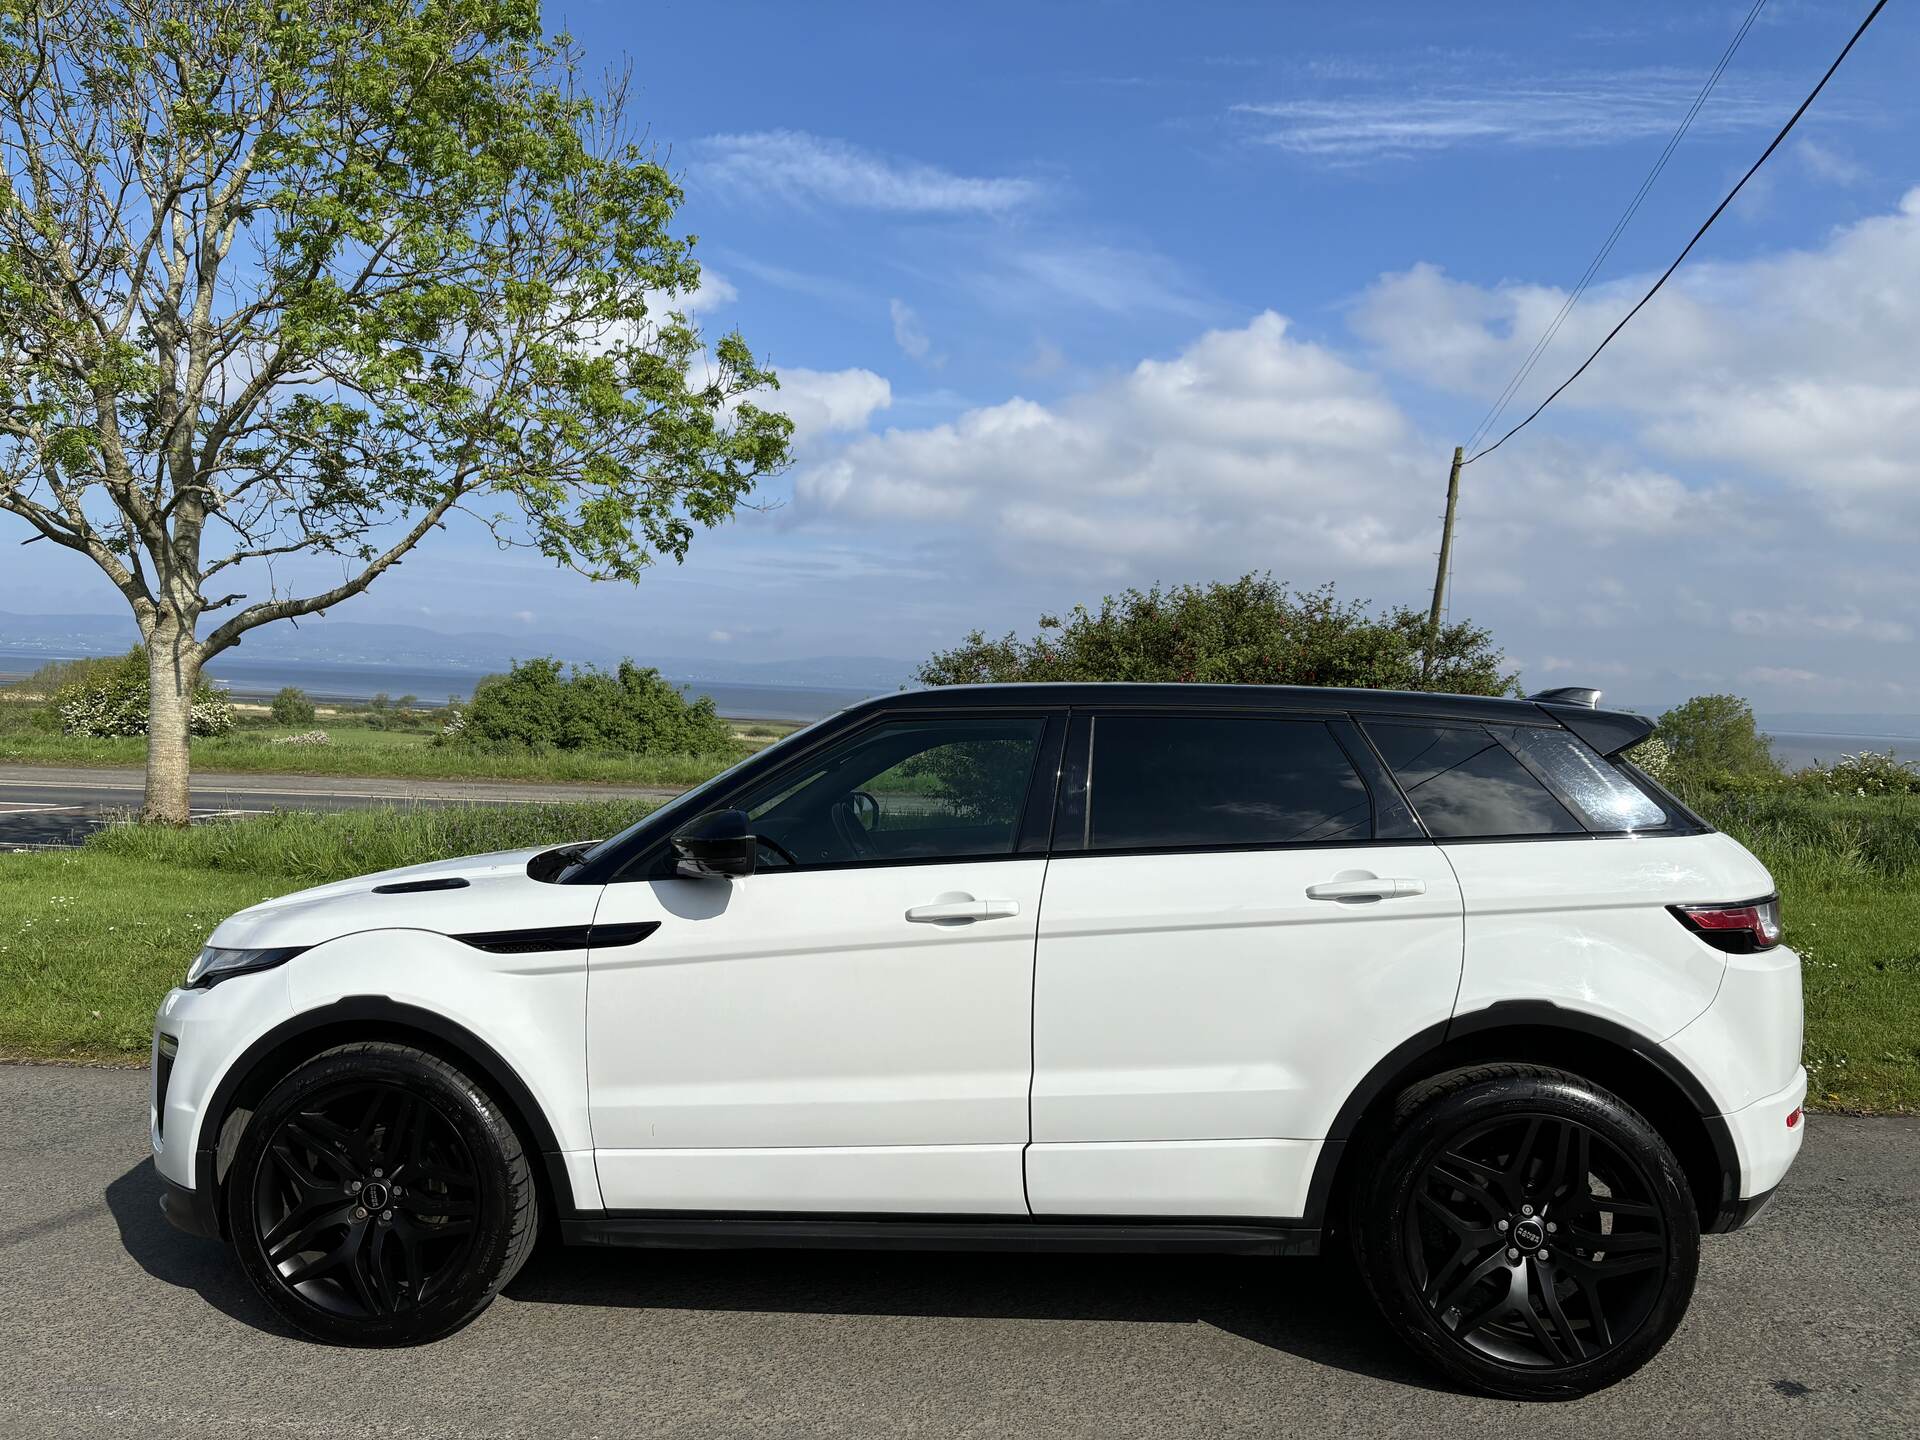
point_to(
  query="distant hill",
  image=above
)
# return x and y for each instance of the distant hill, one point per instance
(352, 642)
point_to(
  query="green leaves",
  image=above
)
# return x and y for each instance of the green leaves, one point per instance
(1250, 631)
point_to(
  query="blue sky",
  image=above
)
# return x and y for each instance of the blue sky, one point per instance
(1072, 297)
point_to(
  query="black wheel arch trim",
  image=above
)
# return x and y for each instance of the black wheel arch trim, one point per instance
(1722, 1211)
(490, 1068)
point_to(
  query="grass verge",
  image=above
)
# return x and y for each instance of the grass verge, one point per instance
(378, 754)
(91, 939)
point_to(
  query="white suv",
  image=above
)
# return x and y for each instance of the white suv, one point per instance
(1047, 967)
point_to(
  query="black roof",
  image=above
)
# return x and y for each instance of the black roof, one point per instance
(1323, 699)
(1608, 731)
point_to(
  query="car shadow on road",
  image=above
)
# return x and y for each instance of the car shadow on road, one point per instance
(1313, 1309)
(204, 1266)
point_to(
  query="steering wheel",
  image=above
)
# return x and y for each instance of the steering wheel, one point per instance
(848, 828)
(786, 855)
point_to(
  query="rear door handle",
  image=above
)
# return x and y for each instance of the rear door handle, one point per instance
(1372, 888)
(962, 910)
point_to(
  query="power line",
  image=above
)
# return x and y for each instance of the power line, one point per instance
(1879, 5)
(1541, 345)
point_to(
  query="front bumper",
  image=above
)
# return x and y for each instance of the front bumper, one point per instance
(189, 1210)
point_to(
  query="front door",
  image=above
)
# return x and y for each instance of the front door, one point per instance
(849, 1028)
(1247, 919)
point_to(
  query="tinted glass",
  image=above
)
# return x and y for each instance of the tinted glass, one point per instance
(905, 790)
(1464, 784)
(1193, 781)
(1606, 799)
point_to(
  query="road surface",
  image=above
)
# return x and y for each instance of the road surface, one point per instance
(50, 805)
(113, 1324)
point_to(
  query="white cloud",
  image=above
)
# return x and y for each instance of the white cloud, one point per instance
(907, 333)
(1579, 110)
(1801, 369)
(1798, 621)
(1249, 446)
(1829, 163)
(823, 402)
(795, 166)
(1111, 278)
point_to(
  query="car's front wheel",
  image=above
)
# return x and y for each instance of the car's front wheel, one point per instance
(1527, 1231)
(380, 1197)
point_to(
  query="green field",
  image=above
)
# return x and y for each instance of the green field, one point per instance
(358, 750)
(91, 939)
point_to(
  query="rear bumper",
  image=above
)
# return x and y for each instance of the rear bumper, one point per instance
(1766, 1142)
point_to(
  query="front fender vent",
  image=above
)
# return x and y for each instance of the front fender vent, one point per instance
(558, 937)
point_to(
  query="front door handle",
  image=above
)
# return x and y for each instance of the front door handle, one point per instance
(1370, 888)
(956, 909)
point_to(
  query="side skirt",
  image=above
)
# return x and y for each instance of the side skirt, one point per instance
(684, 1230)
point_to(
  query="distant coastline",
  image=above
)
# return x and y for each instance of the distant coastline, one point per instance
(247, 679)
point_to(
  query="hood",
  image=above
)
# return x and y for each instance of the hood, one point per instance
(477, 893)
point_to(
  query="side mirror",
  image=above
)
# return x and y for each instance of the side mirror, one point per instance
(715, 845)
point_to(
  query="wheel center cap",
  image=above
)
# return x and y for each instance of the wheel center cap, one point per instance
(1529, 1234)
(375, 1196)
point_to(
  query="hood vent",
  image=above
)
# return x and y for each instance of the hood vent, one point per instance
(415, 887)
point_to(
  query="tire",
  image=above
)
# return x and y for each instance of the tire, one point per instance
(1526, 1231)
(379, 1196)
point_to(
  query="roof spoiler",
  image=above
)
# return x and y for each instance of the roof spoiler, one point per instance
(1611, 732)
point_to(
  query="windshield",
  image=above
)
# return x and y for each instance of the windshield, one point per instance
(691, 802)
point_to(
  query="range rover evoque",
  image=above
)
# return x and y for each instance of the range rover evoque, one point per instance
(1444, 980)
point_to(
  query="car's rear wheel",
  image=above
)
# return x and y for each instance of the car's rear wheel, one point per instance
(380, 1197)
(1527, 1231)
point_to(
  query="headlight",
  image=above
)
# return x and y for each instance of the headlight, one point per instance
(213, 965)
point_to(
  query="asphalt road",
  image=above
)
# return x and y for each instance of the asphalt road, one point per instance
(49, 805)
(111, 1323)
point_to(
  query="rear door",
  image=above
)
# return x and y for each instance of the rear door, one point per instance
(1241, 917)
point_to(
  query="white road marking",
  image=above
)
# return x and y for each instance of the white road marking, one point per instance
(27, 807)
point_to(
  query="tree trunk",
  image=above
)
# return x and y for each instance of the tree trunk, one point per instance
(173, 669)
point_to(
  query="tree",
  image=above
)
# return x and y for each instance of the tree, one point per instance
(292, 706)
(304, 280)
(1715, 737)
(1250, 631)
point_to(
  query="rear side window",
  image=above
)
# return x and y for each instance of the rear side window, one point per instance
(1465, 785)
(1191, 782)
(1605, 798)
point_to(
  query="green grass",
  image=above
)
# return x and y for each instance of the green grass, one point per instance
(358, 750)
(91, 939)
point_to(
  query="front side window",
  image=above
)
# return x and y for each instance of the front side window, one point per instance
(901, 790)
(1193, 782)
(1465, 785)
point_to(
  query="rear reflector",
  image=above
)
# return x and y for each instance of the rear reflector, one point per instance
(1794, 1118)
(1738, 929)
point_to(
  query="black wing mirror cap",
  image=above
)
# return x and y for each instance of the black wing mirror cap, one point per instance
(715, 846)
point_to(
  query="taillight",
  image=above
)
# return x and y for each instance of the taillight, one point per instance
(1738, 929)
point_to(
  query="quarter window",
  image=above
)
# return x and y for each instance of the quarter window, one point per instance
(1605, 798)
(1465, 785)
(1190, 782)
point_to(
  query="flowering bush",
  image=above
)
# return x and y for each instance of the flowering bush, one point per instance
(305, 738)
(113, 701)
(1868, 773)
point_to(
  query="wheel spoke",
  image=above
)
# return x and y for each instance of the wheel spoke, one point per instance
(1545, 1283)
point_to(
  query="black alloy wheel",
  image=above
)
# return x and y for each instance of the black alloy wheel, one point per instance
(380, 1197)
(1528, 1232)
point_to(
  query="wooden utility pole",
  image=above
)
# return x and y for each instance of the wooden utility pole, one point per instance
(1446, 559)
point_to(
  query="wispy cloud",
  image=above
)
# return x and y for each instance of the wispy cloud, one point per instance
(1576, 111)
(812, 169)
(907, 331)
